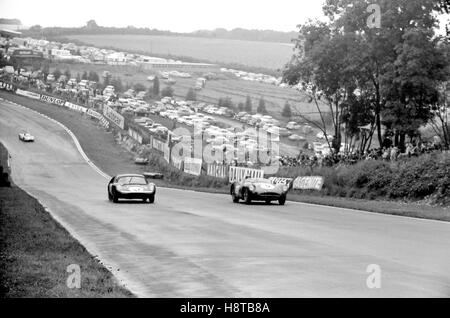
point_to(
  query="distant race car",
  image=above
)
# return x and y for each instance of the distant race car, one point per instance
(258, 190)
(131, 186)
(26, 136)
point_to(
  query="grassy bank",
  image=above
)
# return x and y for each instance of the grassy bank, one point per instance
(102, 148)
(36, 251)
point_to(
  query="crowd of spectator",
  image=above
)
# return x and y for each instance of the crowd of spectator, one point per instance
(72, 93)
(392, 153)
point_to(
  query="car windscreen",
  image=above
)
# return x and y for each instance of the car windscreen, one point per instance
(132, 180)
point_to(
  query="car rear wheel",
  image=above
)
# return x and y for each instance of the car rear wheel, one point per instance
(247, 197)
(282, 200)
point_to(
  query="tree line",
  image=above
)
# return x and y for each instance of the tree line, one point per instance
(391, 79)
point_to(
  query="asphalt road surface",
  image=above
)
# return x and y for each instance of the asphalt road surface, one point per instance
(192, 244)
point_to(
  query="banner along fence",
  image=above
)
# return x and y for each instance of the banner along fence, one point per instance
(238, 174)
(308, 183)
(217, 171)
(114, 116)
(193, 166)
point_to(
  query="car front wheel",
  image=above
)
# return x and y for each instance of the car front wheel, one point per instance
(282, 200)
(115, 198)
(151, 199)
(247, 197)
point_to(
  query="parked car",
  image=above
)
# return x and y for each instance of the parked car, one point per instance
(295, 137)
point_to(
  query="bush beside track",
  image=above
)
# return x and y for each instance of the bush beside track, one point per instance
(413, 184)
(36, 250)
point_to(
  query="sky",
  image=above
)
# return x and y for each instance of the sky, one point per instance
(173, 15)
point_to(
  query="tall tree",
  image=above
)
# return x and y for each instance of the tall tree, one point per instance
(191, 95)
(349, 55)
(248, 104)
(155, 92)
(262, 106)
(287, 112)
(57, 73)
(167, 91)
(380, 49)
(93, 76)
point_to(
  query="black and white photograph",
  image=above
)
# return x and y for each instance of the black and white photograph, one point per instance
(225, 154)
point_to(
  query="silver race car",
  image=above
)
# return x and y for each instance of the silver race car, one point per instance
(250, 190)
(131, 186)
(26, 136)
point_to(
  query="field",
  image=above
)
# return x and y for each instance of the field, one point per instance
(257, 54)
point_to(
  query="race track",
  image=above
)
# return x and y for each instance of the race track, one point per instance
(191, 244)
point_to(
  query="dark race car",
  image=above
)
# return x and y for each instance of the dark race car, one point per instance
(258, 190)
(131, 186)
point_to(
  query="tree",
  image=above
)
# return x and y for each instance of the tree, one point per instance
(37, 29)
(117, 83)
(46, 69)
(91, 24)
(57, 73)
(241, 106)
(262, 106)
(155, 92)
(413, 88)
(167, 91)
(380, 45)
(93, 76)
(352, 67)
(85, 75)
(226, 102)
(327, 70)
(138, 87)
(286, 110)
(191, 95)
(248, 104)
(67, 74)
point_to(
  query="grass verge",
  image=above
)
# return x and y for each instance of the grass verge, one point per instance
(104, 151)
(35, 252)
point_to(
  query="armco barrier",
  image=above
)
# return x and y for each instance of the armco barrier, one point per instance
(76, 107)
(28, 94)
